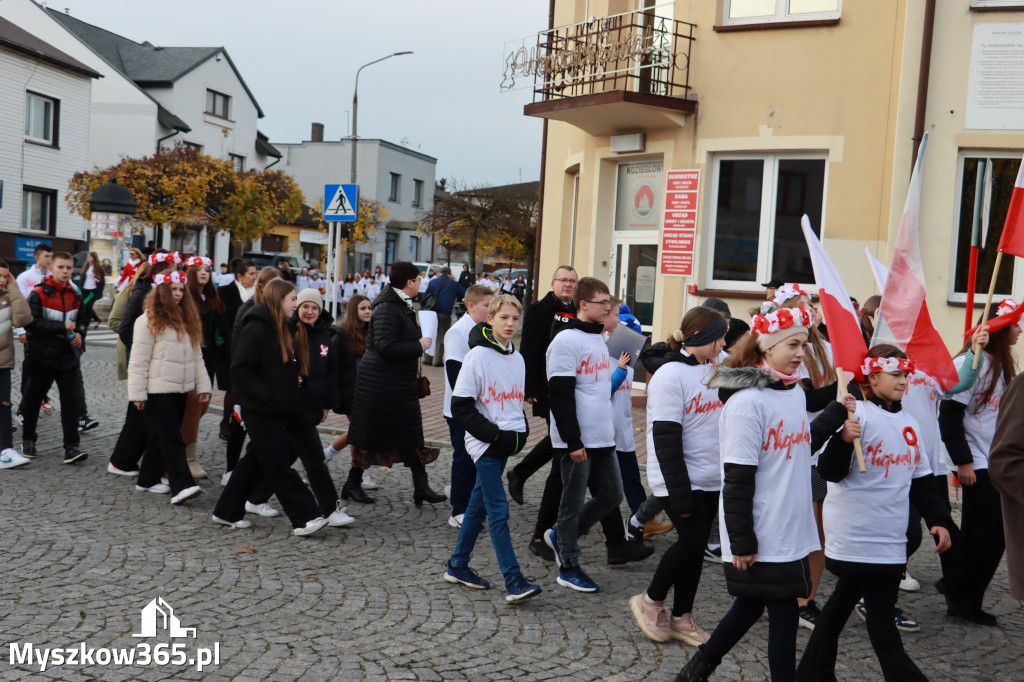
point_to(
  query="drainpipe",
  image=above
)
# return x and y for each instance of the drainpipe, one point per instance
(540, 188)
(922, 78)
(274, 164)
(165, 137)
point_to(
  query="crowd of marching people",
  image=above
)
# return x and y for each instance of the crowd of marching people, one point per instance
(760, 453)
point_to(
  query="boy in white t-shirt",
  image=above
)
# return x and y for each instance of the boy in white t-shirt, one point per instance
(582, 435)
(488, 403)
(456, 346)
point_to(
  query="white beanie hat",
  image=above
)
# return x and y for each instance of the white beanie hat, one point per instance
(310, 296)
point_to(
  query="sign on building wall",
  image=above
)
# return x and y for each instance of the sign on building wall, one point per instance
(995, 91)
(25, 247)
(638, 196)
(679, 231)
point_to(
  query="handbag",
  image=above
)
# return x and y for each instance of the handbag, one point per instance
(770, 580)
(422, 383)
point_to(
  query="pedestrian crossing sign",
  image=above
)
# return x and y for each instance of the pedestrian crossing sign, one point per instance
(340, 202)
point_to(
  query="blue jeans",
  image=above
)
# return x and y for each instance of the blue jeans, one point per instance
(601, 472)
(488, 501)
(629, 469)
(463, 471)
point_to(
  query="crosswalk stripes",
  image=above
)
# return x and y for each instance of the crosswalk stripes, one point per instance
(101, 337)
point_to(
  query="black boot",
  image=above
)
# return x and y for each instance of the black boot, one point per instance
(697, 670)
(353, 488)
(421, 488)
(624, 551)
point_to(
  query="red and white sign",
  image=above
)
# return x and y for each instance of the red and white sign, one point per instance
(679, 230)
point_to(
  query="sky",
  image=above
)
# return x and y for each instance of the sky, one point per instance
(299, 58)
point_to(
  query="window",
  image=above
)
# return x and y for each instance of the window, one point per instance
(38, 210)
(768, 11)
(390, 248)
(41, 119)
(417, 192)
(238, 162)
(755, 219)
(194, 145)
(997, 200)
(414, 247)
(217, 103)
(1000, 4)
(393, 193)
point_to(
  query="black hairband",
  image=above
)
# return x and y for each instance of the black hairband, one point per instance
(714, 331)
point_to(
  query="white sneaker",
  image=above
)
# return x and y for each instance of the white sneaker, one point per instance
(329, 453)
(369, 483)
(225, 478)
(455, 520)
(232, 524)
(310, 527)
(186, 494)
(339, 518)
(909, 583)
(111, 469)
(10, 458)
(262, 509)
(159, 488)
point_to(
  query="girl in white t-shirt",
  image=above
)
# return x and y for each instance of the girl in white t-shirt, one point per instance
(767, 522)
(967, 423)
(866, 515)
(684, 471)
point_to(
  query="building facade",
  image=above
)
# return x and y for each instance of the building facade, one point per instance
(783, 108)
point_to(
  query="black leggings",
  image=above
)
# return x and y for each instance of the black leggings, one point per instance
(879, 585)
(681, 564)
(783, 615)
(983, 542)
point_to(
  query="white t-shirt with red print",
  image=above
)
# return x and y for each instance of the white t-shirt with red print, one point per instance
(496, 382)
(980, 425)
(678, 393)
(768, 428)
(622, 414)
(866, 513)
(575, 353)
(921, 401)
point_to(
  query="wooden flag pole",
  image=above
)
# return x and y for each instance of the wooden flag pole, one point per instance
(856, 441)
(988, 301)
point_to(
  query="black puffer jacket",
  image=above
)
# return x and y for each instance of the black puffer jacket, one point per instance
(132, 311)
(261, 382)
(52, 305)
(386, 408)
(537, 335)
(320, 389)
(348, 364)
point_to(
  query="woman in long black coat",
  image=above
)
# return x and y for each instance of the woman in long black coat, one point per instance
(386, 426)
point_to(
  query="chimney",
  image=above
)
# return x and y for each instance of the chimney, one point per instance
(318, 132)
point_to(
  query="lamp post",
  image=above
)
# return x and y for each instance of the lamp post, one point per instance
(355, 108)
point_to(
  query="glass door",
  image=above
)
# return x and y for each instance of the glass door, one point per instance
(636, 265)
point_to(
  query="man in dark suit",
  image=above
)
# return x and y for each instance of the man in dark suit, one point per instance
(233, 296)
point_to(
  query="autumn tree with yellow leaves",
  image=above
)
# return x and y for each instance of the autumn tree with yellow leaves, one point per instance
(183, 185)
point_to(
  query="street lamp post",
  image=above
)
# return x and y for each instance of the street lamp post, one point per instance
(355, 109)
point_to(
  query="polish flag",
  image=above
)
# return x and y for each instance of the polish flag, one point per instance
(903, 318)
(848, 349)
(1012, 241)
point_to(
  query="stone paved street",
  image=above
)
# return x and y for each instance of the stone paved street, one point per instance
(83, 553)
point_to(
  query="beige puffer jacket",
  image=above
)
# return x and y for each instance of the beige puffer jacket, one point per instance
(163, 364)
(14, 312)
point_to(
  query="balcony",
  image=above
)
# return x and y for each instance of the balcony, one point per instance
(622, 73)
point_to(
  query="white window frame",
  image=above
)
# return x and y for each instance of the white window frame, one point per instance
(953, 296)
(32, 100)
(997, 3)
(782, 15)
(49, 218)
(395, 188)
(212, 109)
(417, 193)
(238, 162)
(766, 232)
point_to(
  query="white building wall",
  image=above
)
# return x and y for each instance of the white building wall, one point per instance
(24, 163)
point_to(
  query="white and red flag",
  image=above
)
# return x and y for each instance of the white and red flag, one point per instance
(1012, 240)
(848, 348)
(903, 318)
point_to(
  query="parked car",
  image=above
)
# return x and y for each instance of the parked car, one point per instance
(499, 274)
(423, 266)
(273, 259)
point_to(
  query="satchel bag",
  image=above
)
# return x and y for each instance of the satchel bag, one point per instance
(770, 581)
(422, 383)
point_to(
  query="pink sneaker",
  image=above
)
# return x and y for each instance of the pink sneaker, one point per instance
(687, 630)
(650, 617)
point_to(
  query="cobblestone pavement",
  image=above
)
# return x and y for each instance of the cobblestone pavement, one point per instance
(83, 553)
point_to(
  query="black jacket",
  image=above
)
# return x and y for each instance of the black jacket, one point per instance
(536, 337)
(262, 383)
(562, 390)
(348, 364)
(465, 279)
(132, 311)
(503, 443)
(232, 302)
(47, 344)
(386, 406)
(319, 390)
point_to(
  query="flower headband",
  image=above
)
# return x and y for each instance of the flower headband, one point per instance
(788, 291)
(199, 261)
(767, 307)
(174, 258)
(874, 365)
(783, 318)
(1006, 306)
(175, 277)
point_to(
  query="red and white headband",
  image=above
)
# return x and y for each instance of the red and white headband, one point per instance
(788, 291)
(176, 277)
(875, 365)
(780, 319)
(1006, 306)
(199, 261)
(174, 258)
